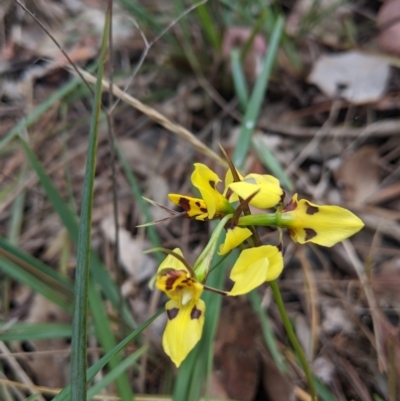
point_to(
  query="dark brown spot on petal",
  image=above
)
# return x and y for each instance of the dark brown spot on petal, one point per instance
(292, 205)
(198, 203)
(172, 313)
(212, 184)
(203, 209)
(172, 276)
(312, 209)
(195, 313)
(310, 233)
(184, 204)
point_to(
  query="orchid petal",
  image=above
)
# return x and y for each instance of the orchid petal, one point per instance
(184, 328)
(254, 267)
(321, 224)
(194, 207)
(269, 191)
(234, 237)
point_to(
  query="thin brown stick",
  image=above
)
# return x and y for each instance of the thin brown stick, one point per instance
(366, 286)
(19, 372)
(159, 118)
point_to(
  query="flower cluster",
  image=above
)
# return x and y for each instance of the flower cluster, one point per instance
(305, 221)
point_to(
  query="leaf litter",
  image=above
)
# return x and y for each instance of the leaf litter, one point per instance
(354, 160)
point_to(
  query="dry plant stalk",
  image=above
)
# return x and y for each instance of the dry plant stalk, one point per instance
(159, 118)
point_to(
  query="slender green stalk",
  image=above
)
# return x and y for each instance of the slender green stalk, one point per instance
(259, 220)
(268, 332)
(65, 394)
(79, 324)
(292, 337)
(257, 96)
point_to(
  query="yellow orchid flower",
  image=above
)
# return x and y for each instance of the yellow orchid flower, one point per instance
(269, 191)
(254, 267)
(185, 309)
(213, 203)
(234, 237)
(322, 224)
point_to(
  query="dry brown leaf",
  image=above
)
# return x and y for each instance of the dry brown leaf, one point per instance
(236, 357)
(53, 369)
(278, 386)
(357, 77)
(389, 26)
(359, 175)
(335, 318)
(139, 266)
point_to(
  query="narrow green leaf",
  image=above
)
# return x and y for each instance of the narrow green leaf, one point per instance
(34, 331)
(254, 31)
(17, 210)
(257, 96)
(141, 14)
(16, 272)
(268, 333)
(69, 220)
(36, 267)
(261, 150)
(323, 391)
(267, 158)
(239, 80)
(79, 323)
(65, 394)
(209, 25)
(116, 372)
(106, 337)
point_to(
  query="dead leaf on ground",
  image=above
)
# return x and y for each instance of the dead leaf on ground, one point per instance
(137, 265)
(357, 77)
(42, 311)
(237, 359)
(388, 22)
(359, 175)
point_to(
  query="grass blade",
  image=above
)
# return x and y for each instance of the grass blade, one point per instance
(79, 323)
(13, 270)
(267, 158)
(209, 25)
(268, 333)
(34, 331)
(106, 337)
(69, 220)
(35, 267)
(263, 153)
(257, 96)
(239, 80)
(116, 372)
(65, 394)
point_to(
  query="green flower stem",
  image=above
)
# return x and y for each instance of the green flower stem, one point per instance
(292, 337)
(203, 262)
(271, 219)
